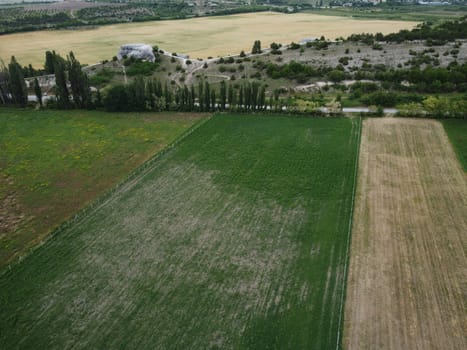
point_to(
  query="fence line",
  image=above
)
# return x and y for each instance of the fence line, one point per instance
(349, 235)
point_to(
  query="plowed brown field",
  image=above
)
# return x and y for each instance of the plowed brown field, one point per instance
(407, 281)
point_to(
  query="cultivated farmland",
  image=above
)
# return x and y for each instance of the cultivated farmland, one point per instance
(457, 133)
(199, 37)
(54, 162)
(235, 238)
(407, 277)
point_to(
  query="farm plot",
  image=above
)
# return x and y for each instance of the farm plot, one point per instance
(407, 277)
(199, 37)
(457, 133)
(54, 162)
(236, 238)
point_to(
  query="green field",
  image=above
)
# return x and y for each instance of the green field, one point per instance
(404, 13)
(457, 133)
(54, 162)
(235, 238)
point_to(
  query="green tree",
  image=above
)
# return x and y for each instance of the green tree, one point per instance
(49, 65)
(136, 92)
(256, 47)
(213, 100)
(201, 96)
(192, 98)
(230, 96)
(51, 57)
(207, 96)
(167, 97)
(116, 99)
(240, 98)
(17, 84)
(61, 90)
(38, 91)
(223, 95)
(5, 94)
(262, 98)
(79, 83)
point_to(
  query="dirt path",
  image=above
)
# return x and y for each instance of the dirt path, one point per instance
(408, 268)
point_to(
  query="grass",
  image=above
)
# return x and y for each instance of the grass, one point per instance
(402, 13)
(54, 162)
(457, 133)
(207, 36)
(235, 239)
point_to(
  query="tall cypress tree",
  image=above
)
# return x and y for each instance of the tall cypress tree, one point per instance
(201, 96)
(207, 96)
(16, 83)
(256, 47)
(150, 96)
(167, 97)
(49, 65)
(4, 84)
(247, 93)
(254, 96)
(186, 98)
(61, 90)
(192, 98)
(38, 91)
(240, 98)
(262, 98)
(213, 99)
(223, 95)
(79, 82)
(230, 95)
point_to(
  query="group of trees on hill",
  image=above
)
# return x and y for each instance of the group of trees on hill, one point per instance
(433, 34)
(452, 78)
(72, 90)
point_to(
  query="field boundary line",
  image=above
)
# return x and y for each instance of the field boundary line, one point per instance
(102, 199)
(349, 234)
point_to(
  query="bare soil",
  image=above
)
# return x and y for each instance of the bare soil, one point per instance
(407, 275)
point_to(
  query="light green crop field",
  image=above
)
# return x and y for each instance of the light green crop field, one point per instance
(54, 162)
(234, 239)
(457, 133)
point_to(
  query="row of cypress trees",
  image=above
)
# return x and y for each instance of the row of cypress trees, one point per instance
(152, 95)
(73, 90)
(72, 87)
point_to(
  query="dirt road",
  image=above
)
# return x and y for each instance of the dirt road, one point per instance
(408, 269)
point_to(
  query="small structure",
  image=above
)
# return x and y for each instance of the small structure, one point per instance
(140, 51)
(306, 40)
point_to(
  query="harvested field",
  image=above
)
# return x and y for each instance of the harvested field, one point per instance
(407, 280)
(235, 239)
(199, 37)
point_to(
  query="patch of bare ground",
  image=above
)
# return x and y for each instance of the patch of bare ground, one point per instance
(407, 275)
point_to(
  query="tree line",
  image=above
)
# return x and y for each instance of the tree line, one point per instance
(433, 34)
(152, 95)
(72, 88)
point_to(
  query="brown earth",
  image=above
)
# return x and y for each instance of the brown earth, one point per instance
(407, 281)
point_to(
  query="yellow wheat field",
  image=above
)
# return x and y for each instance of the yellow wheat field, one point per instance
(199, 37)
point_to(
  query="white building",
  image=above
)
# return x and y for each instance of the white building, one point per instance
(140, 51)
